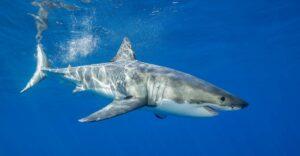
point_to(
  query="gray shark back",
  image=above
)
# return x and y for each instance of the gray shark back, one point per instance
(166, 83)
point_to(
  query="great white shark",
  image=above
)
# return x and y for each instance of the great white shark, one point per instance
(134, 84)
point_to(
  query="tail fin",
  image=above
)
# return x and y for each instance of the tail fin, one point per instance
(42, 63)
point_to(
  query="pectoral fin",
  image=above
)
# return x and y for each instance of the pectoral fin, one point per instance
(117, 107)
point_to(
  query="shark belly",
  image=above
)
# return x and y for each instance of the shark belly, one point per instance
(167, 106)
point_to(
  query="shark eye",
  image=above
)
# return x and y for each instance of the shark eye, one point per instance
(222, 98)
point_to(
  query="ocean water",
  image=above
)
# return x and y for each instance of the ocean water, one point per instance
(250, 48)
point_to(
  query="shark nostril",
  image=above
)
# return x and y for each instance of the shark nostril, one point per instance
(239, 105)
(243, 104)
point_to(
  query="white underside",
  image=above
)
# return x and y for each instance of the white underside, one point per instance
(166, 106)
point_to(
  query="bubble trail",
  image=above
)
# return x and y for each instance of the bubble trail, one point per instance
(41, 18)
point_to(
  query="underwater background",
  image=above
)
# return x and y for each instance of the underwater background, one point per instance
(250, 48)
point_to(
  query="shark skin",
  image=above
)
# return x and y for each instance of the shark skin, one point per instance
(133, 84)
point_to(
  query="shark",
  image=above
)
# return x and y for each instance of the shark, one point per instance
(133, 85)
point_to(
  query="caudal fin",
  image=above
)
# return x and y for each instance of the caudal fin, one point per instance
(42, 63)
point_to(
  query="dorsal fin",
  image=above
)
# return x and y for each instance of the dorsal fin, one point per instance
(125, 53)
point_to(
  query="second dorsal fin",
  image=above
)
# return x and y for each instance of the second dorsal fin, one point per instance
(125, 52)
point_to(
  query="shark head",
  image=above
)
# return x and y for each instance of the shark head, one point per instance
(219, 99)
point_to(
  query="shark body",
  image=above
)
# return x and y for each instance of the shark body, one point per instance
(134, 84)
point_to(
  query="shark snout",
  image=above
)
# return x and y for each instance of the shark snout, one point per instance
(240, 104)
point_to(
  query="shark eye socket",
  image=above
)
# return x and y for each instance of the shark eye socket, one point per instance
(222, 98)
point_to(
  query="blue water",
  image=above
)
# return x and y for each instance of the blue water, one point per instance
(250, 48)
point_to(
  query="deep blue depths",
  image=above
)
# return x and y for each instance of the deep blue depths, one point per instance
(250, 48)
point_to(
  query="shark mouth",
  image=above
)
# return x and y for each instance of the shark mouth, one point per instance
(215, 107)
(211, 110)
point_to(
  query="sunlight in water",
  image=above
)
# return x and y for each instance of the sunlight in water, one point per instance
(79, 47)
(82, 41)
